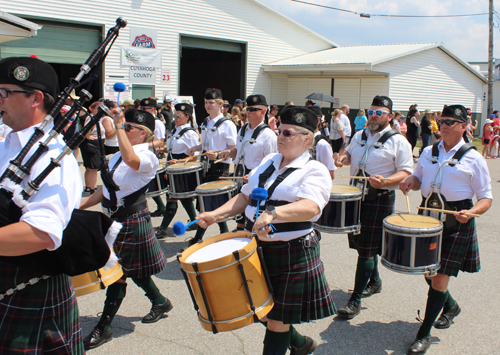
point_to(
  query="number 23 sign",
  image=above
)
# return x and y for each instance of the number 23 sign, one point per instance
(165, 75)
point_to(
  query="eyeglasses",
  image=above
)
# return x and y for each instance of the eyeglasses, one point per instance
(287, 133)
(177, 115)
(5, 92)
(254, 109)
(376, 113)
(447, 122)
(128, 127)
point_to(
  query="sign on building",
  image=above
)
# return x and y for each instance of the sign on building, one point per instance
(141, 56)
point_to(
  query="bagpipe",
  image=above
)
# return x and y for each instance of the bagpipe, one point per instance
(88, 238)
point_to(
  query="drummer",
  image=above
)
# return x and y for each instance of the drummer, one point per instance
(250, 154)
(223, 137)
(322, 146)
(299, 189)
(140, 253)
(183, 137)
(393, 160)
(458, 186)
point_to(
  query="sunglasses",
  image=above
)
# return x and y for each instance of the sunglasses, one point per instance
(287, 133)
(447, 122)
(128, 127)
(254, 109)
(376, 113)
(5, 92)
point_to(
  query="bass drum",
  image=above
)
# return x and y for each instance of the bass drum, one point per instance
(96, 280)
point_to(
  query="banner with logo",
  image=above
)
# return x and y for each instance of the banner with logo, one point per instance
(142, 56)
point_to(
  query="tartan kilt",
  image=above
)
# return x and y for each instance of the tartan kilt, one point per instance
(301, 292)
(369, 242)
(40, 319)
(138, 249)
(460, 249)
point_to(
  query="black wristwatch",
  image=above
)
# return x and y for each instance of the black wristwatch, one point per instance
(272, 211)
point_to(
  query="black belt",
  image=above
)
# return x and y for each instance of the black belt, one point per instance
(134, 211)
(275, 203)
(304, 240)
(283, 227)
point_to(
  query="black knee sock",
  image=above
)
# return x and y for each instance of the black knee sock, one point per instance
(169, 214)
(435, 301)
(187, 203)
(159, 202)
(364, 271)
(296, 339)
(375, 274)
(115, 294)
(199, 233)
(223, 227)
(276, 343)
(450, 301)
(152, 292)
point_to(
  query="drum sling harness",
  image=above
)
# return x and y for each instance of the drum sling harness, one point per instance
(369, 193)
(204, 144)
(240, 168)
(131, 205)
(177, 136)
(279, 227)
(435, 198)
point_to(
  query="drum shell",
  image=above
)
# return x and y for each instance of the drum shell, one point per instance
(211, 199)
(223, 286)
(341, 214)
(96, 280)
(411, 250)
(184, 180)
(159, 184)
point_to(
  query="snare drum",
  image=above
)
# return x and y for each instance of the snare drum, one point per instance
(96, 280)
(183, 178)
(219, 288)
(159, 184)
(214, 194)
(341, 214)
(411, 244)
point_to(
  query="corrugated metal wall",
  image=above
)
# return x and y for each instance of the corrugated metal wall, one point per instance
(270, 37)
(359, 92)
(299, 88)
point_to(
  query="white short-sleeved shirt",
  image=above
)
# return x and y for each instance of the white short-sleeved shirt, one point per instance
(310, 181)
(347, 124)
(131, 180)
(159, 129)
(4, 129)
(50, 208)
(462, 181)
(266, 143)
(220, 139)
(395, 155)
(324, 153)
(181, 145)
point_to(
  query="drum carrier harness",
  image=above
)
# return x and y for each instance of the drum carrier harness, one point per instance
(173, 136)
(204, 144)
(240, 168)
(435, 198)
(370, 193)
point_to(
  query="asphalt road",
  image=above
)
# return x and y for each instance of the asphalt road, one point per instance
(386, 325)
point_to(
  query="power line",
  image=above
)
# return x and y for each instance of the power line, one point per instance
(366, 15)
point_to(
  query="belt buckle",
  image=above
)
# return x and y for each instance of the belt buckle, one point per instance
(307, 241)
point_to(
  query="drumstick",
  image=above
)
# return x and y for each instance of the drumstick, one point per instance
(230, 177)
(196, 156)
(218, 161)
(446, 211)
(339, 164)
(408, 202)
(365, 178)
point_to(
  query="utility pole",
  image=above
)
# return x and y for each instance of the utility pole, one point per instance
(491, 76)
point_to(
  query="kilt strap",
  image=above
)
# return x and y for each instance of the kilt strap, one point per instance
(304, 240)
(282, 227)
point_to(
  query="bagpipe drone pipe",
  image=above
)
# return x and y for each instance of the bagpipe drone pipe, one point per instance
(88, 238)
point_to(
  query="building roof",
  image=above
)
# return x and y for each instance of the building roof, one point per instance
(364, 55)
(13, 27)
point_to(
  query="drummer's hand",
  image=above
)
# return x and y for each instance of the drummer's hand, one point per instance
(192, 151)
(406, 184)
(118, 115)
(461, 217)
(375, 181)
(206, 219)
(261, 225)
(344, 160)
(173, 161)
(211, 155)
(245, 179)
(224, 154)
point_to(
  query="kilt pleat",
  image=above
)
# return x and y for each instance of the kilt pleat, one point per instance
(138, 249)
(40, 319)
(369, 242)
(301, 292)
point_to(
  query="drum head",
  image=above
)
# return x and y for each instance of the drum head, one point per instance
(184, 167)
(218, 250)
(344, 189)
(416, 222)
(221, 185)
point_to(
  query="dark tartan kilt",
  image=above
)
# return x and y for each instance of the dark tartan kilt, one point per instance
(138, 249)
(40, 319)
(301, 292)
(460, 249)
(369, 242)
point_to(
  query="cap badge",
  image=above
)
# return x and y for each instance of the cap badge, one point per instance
(213, 94)
(146, 102)
(255, 99)
(386, 102)
(299, 117)
(458, 112)
(140, 118)
(21, 73)
(183, 108)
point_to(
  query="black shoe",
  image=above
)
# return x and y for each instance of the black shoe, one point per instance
(350, 310)
(98, 336)
(372, 288)
(446, 318)
(193, 241)
(420, 346)
(158, 213)
(157, 311)
(192, 227)
(305, 349)
(161, 233)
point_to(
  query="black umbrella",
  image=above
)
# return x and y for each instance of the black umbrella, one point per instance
(322, 97)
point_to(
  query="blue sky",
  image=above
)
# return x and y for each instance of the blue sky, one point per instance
(465, 36)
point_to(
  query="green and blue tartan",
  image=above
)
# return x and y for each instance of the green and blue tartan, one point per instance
(301, 292)
(40, 319)
(138, 249)
(369, 242)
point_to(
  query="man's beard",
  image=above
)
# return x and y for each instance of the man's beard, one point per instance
(374, 126)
